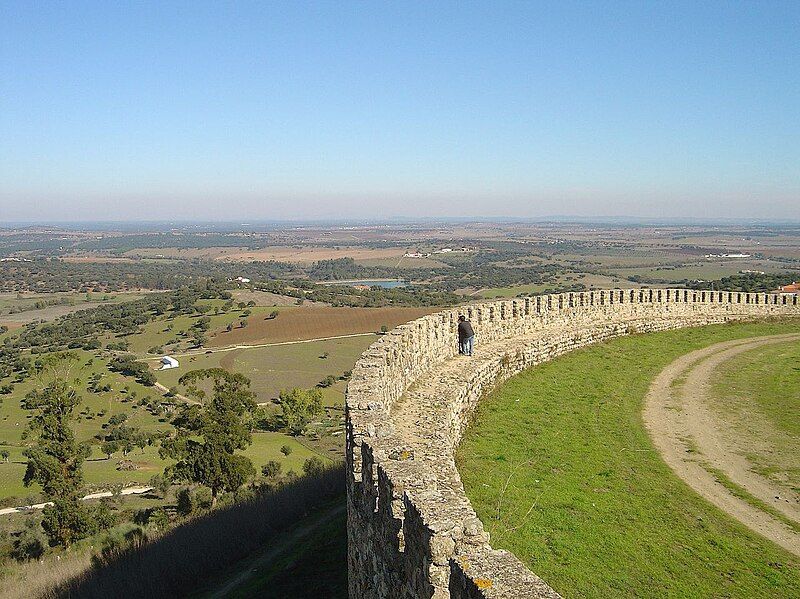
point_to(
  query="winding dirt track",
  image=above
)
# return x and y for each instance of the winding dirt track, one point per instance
(691, 439)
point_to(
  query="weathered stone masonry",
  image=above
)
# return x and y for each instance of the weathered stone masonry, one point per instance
(411, 529)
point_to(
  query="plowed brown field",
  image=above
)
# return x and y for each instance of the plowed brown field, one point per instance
(294, 324)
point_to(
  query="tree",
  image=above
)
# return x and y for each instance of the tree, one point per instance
(117, 419)
(271, 469)
(141, 440)
(55, 462)
(299, 407)
(129, 366)
(327, 381)
(273, 315)
(160, 484)
(286, 450)
(192, 500)
(30, 544)
(109, 448)
(207, 436)
(313, 466)
(4, 455)
(126, 445)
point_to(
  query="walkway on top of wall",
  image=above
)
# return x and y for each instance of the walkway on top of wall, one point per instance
(430, 418)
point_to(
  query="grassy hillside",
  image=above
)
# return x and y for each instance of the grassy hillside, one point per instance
(207, 551)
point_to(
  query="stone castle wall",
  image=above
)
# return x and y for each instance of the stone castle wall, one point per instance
(411, 529)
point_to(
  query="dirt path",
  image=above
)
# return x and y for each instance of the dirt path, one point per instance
(250, 567)
(164, 389)
(692, 441)
(98, 495)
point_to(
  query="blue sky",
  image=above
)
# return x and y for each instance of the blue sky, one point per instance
(112, 110)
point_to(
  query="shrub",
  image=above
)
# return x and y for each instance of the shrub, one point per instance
(29, 545)
(271, 469)
(313, 466)
(209, 544)
(185, 502)
(327, 381)
(160, 484)
(193, 500)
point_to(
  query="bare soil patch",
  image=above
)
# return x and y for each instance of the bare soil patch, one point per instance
(294, 324)
(695, 442)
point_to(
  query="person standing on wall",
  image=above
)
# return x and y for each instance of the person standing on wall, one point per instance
(466, 336)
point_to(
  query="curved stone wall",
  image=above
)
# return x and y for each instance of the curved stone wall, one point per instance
(411, 529)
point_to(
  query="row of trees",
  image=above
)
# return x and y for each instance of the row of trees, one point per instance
(127, 365)
(81, 328)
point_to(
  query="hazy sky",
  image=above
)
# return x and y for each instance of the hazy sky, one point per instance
(113, 110)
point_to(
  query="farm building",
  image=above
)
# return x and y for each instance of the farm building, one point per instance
(168, 362)
(792, 289)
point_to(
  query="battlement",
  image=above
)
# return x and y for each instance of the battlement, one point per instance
(411, 529)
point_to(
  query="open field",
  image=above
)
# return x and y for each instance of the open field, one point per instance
(703, 449)
(704, 271)
(25, 310)
(758, 396)
(296, 253)
(559, 467)
(94, 411)
(403, 263)
(166, 331)
(264, 298)
(270, 368)
(274, 368)
(296, 323)
(591, 281)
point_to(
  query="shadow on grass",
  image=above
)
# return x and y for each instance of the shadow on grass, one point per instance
(181, 561)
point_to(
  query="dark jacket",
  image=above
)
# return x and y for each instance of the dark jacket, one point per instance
(465, 331)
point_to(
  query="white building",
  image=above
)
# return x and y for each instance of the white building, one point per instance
(168, 362)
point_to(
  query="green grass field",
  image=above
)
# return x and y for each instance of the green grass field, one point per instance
(559, 467)
(123, 399)
(705, 271)
(591, 281)
(282, 366)
(758, 394)
(162, 331)
(270, 369)
(27, 301)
